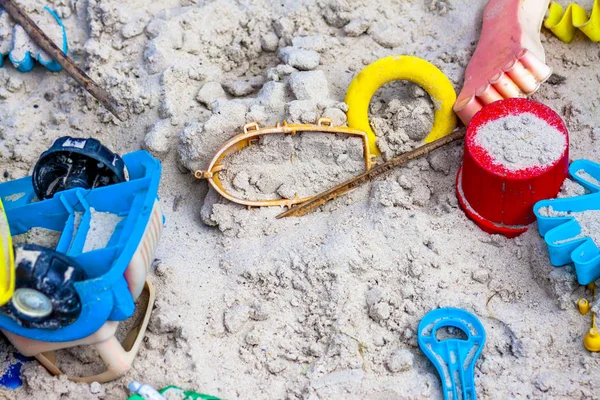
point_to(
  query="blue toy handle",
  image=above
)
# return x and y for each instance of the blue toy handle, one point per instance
(454, 359)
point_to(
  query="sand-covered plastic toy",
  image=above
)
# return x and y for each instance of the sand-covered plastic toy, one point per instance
(21, 50)
(401, 67)
(250, 136)
(516, 153)
(454, 358)
(571, 226)
(101, 220)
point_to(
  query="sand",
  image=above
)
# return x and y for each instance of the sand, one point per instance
(519, 142)
(102, 227)
(288, 166)
(588, 178)
(325, 306)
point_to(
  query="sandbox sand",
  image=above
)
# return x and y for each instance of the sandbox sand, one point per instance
(325, 306)
(518, 142)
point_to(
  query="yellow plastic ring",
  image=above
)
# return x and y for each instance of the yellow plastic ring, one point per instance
(413, 69)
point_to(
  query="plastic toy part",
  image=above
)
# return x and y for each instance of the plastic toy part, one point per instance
(453, 358)
(7, 259)
(565, 25)
(11, 376)
(76, 163)
(364, 86)
(591, 340)
(118, 357)
(22, 51)
(250, 136)
(509, 60)
(45, 296)
(146, 392)
(563, 234)
(115, 265)
(584, 306)
(499, 200)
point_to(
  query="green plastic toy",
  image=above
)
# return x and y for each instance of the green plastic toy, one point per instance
(179, 394)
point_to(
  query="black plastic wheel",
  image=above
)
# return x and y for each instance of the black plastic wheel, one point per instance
(72, 163)
(45, 295)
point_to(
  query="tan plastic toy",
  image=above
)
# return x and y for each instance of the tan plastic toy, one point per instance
(250, 136)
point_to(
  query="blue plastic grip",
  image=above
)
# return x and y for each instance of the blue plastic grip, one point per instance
(454, 359)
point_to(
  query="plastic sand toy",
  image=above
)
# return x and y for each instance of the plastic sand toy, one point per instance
(570, 225)
(364, 86)
(453, 358)
(147, 392)
(509, 60)
(591, 341)
(108, 229)
(250, 136)
(564, 24)
(516, 153)
(11, 377)
(22, 51)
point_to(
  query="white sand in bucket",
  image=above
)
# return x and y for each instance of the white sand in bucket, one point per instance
(521, 141)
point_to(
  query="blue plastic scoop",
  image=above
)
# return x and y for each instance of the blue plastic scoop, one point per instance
(453, 358)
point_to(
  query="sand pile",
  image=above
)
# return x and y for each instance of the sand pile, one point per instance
(518, 142)
(325, 306)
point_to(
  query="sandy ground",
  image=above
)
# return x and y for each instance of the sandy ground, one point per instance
(326, 306)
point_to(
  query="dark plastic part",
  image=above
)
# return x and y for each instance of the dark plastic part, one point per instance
(76, 163)
(48, 273)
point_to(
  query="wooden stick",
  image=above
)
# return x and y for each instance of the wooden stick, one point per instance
(47, 45)
(339, 190)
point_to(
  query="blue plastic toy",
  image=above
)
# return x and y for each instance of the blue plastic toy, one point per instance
(25, 62)
(114, 275)
(558, 230)
(453, 358)
(11, 377)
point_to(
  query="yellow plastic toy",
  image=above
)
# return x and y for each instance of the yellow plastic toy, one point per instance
(400, 67)
(591, 341)
(7, 260)
(564, 26)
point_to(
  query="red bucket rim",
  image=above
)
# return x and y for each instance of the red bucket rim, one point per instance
(503, 108)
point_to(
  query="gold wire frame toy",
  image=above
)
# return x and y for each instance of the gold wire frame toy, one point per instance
(250, 137)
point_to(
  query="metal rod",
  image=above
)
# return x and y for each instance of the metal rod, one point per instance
(47, 45)
(339, 190)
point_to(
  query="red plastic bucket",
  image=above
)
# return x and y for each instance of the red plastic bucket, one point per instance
(497, 199)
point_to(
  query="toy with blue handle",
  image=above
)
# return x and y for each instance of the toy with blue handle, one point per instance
(105, 295)
(557, 230)
(454, 359)
(25, 62)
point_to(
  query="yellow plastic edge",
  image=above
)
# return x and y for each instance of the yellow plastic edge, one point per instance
(7, 258)
(410, 68)
(564, 26)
